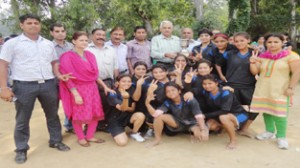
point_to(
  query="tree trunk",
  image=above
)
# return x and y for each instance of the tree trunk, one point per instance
(199, 9)
(149, 28)
(293, 27)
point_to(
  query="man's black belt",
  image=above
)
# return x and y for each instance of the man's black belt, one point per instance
(34, 82)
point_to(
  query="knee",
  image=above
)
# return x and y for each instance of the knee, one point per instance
(121, 141)
(223, 118)
(139, 116)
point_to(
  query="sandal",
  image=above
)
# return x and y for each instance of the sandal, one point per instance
(83, 143)
(94, 140)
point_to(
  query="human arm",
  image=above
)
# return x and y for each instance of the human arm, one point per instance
(138, 90)
(77, 97)
(6, 94)
(221, 75)
(62, 77)
(294, 79)
(106, 88)
(130, 67)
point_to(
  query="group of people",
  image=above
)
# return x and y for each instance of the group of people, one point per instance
(151, 87)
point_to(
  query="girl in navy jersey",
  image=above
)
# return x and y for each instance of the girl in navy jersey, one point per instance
(182, 115)
(222, 109)
(238, 75)
(123, 113)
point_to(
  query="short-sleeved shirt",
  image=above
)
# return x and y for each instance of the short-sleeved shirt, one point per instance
(184, 112)
(107, 60)
(207, 52)
(139, 52)
(192, 44)
(224, 101)
(219, 56)
(238, 72)
(161, 45)
(62, 49)
(30, 60)
(159, 92)
(121, 52)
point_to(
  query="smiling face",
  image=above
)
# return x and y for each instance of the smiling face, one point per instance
(125, 83)
(31, 26)
(274, 44)
(172, 92)
(117, 36)
(180, 61)
(81, 42)
(159, 74)
(140, 71)
(241, 42)
(166, 29)
(204, 69)
(209, 85)
(140, 34)
(99, 37)
(205, 38)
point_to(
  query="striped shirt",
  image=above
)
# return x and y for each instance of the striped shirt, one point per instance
(121, 51)
(139, 52)
(161, 45)
(29, 60)
(107, 60)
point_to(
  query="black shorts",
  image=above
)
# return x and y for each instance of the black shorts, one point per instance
(244, 95)
(117, 123)
(181, 127)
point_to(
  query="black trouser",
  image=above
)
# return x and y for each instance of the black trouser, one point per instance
(27, 93)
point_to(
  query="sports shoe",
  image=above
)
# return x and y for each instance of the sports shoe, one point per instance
(265, 136)
(282, 143)
(21, 157)
(137, 136)
(149, 134)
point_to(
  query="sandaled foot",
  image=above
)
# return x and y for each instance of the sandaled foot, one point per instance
(231, 145)
(95, 140)
(83, 143)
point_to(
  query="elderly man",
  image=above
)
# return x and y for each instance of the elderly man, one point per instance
(31, 59)
(164, 47)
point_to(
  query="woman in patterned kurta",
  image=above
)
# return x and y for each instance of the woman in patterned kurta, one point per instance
(279, 72)
(79, 95)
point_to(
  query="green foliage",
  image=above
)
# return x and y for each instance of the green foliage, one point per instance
(239, 15)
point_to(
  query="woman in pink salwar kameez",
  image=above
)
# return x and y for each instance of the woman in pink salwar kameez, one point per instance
(79, 95)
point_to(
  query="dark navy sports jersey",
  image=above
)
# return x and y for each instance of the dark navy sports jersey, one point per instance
(184, 112)
(238, 72)
(140, 104)
(218, 55)
(222, 103)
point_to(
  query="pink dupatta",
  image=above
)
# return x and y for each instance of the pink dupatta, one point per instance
(71, 62)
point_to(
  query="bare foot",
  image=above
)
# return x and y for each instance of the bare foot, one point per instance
(231, 145)
(83, 142)
(152, 144)
(246, 134)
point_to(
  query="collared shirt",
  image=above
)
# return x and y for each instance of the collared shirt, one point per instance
(161, 45)
(121, 52)
(106, 58)
(62, 49)
(29, 60)
(192, 44)
(139, 52)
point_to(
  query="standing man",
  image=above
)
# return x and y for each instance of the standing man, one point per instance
(139, 48)
(187, 33)
(31, 59)
(1, 41)
(59, 34)
(107, 62)
(116, 36)
(164, 47)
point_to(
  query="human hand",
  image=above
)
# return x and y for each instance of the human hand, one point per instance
(228, 88)
(289, 92)
(78, 99)
(65, 77)
(153, 86)
(188, 96)
(141, 80)
(223, 78)
(254, 58)
(6, 94)
(178, 70)
(108, 90)
(170, 55)
(124, 94)
(189, 76)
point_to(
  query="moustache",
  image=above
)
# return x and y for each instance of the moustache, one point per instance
(100, 39)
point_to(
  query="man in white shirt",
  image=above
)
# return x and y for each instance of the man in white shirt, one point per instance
(31, 59)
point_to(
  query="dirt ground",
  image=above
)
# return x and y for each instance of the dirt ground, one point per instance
(176, 152)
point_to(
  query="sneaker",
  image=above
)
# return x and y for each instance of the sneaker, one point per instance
(137, 136)
(149, 134)
(265, 136)
(282, 143)
(21, 157)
